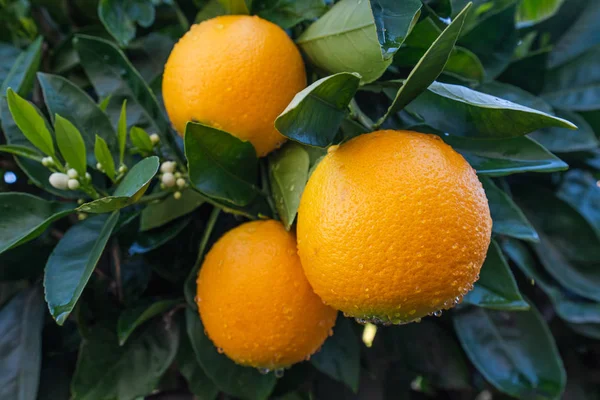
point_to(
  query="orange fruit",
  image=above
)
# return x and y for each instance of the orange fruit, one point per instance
(393, 226)
(236, 73)
(255, 302)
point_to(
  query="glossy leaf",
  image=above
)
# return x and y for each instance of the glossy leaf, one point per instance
(288, 13)
(120, 17)
(158, 214)
(70, 143)
(141, 139)
(340, 355)
(315, 114)
(64, 98)
(122, 132)
(199, 384)
(30, 122)
(345, 40)
(236, 6)
(580, 189)
(21, 151)
(220, 165)
(243, 382)
(560, 140)
(131, 188)
(148, 241)
(72, 262)
(394, 20)
(508, 218)
(532, 12)
(132, 318)
(588, 330)
(21, 75)
(514, 351)
(104, 157)
(25, 217)
(21, 323)
(289, 173)
(429, 67)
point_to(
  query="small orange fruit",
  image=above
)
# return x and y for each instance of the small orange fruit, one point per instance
(255, 302)
(393, 226)
(236, 73)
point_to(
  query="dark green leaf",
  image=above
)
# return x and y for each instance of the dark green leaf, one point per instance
(429, 67)
(141, 139)
(514, 351)
(30, 122)
(580, 189)
(12, 267)
(104, 157)
(394, 20)
(508, 218)
(158, 214)
(532, 12)
(25, 217)
(220, 165)
(119, 17)
(314, 115)
(236, 6)
(8, 56)
(21, 323)
(244, 382)
(70, 143)
(288, 13)
(22, 151)
(64, 98)
(148, 241)
(340, 355)
(199, 384)
(516, 95)
(132, 318)
(72, 262)
(588, 330)
(496, 287)
(129, 190)
(21, 75)
(107, 371)
(562, 140)
(289, 174)
(122, 131)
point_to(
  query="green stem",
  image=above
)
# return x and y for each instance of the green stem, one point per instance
(361, 117)
(153, 197)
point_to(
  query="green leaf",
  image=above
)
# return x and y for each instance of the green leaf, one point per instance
(119, 17)
(30, 122)
(103, 105)
(21, 75)
(289, 173)
(516, 95)
(533, 12)
(220, 165)
(72, 262)
(158, 214)
(508, 218)
(514, 351)
(461, 111)
(429, 67)
(21, 323)
(21, 151)
(575, 85)
(25, 217)
(244, 382)
(236, 6)
(394, 20)
(70, 143)
(339, 357)
(104, 157)
(64, 98)
(569, 307)
(133, 185)
(289, 13)
(148, 241)
(496, 287)
(588, 330)
(315, 114)
(345, 40)
(141, 139)
(122, 132)
(106, 370)
(560, 140)
(132, 318)
(580, 189)
(198, 382)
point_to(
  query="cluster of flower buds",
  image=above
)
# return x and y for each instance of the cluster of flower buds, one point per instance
(48, 162)
(69, 181)
(170, 178)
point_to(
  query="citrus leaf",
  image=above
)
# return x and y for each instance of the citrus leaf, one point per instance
(21, 323)
(221, 165)
(496, 287)
(315, 114)
(508, 218)
(158, 214)
(148, 241)
(289, 174)
(560, 140)
(340, 355)
(104, 157)
(72, 262)
(141, 139)
(580, 189)
(394, 20)
(244, 382)
(236, 6)
(21, 151)
(131, 188)
(21, 75)
(533, 12)
(289, 13)
(587, 330)
(70, 143)
(67, 100)
(132, 318)
(429, 67)
(25, 217)
(30, 122)
(514, 351)
(119, 17)
(198, 382)
(344, 39)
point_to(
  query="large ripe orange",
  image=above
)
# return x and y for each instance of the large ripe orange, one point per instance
(236, 73)
(255, 302)
(393, 226)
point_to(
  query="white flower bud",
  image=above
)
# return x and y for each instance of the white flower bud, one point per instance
(73, 184)
(177, 195)
(81, 216)
(80, 201)
(99, 166)
(180, 183)
(168, 166)
(122, 169)
(72, 174)
(59, 180)
(168, 179)
(88, 177)
(178, 175)
(154, 138)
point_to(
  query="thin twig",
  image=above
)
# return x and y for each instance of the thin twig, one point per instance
(360, 116)
(116, 256)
